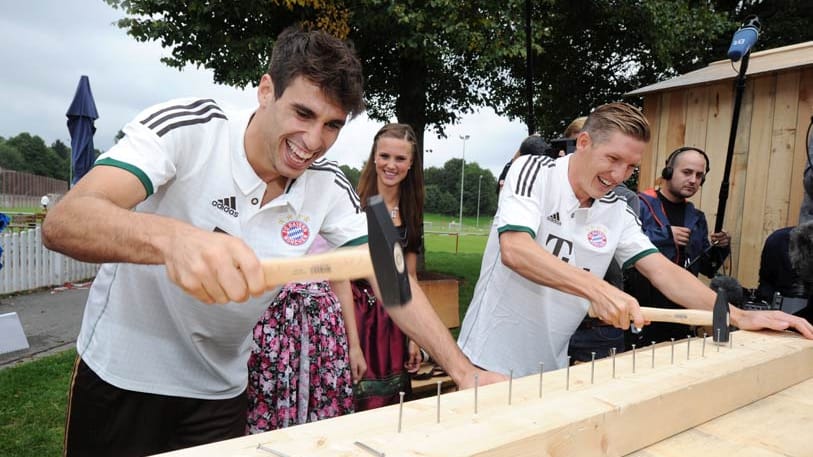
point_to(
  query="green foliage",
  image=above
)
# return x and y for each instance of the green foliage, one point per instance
(352, 174)
(30, 154)
(443, 189)
(10, 157)
(784, 22)
(62, 150)
(33, 399)
(590, 53)
(426, 63)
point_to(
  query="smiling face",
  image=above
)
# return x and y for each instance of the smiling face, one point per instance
(689, 168)
(597, 167)
(287, 134)
(393, 157)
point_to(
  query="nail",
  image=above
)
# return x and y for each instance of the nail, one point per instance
(400, 410)
(592, 366)
(438, 418)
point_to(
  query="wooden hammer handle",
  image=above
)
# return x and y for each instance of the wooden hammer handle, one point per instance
(346, 263)
(677, 316)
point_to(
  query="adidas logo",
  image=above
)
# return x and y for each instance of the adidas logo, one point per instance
(555, 218)
(228, 205)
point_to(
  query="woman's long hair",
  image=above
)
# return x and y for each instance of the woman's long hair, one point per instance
(411, 189)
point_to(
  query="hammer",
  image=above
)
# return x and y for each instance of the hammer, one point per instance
(718, 319)
(384, 259)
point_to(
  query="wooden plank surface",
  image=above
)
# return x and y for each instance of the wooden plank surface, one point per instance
(608, 416)
(776, 426)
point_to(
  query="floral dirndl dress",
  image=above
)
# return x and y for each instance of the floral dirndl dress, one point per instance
(299, 369)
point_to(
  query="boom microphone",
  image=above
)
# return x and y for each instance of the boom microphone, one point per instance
(744, 38)
(731, 287)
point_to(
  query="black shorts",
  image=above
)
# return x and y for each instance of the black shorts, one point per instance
(104, 420)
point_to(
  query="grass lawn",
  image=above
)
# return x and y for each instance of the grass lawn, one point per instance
(33, 395)
(33, 398)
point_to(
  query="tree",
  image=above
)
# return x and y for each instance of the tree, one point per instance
(352, 174)
(62, 150)
(424, 61)
(443, 189)
(587, 53)
(10, 157)
(29, 154)
(784, 22)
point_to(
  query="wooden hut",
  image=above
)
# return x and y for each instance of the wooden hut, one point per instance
(770, 153)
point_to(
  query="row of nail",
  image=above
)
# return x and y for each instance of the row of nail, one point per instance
(634, 350)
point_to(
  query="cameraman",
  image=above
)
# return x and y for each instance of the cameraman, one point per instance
(778, 273)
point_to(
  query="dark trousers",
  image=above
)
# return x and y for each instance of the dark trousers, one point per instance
(659, 332)
(594, 338)
(103, 420)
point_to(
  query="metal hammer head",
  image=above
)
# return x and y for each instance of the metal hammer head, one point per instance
(386, 254)
(720, 317)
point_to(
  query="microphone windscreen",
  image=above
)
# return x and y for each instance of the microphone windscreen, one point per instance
(731, 287)
(742, 42)
(801, 251)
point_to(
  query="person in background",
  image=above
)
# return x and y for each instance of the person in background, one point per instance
(779, 274)
(680, 232)
(394, 171)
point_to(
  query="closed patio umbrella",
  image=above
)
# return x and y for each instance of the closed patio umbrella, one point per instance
(81, 118)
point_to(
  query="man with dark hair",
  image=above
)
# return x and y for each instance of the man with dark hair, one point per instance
(558, 226)
(680, 232)
(182, 209)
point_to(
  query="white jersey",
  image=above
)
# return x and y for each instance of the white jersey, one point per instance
(513, 323)
(140, 331)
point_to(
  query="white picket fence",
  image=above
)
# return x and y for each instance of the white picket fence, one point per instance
(27, 264)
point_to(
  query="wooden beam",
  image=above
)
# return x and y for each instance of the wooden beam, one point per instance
(776, 426)
(610, 416)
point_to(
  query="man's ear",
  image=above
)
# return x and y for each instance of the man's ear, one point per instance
(265, 91)
(583, 141)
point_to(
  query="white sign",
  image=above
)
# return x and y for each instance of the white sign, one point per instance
(12, 337)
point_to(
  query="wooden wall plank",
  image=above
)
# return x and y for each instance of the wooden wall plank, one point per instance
(783, 138)
(752, 235)
(609, 416)
(653, 112)
(721, 106)
(800, 149)
(676, 128)
(696, 125)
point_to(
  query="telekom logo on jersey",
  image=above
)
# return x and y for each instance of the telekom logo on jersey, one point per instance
(560, 247)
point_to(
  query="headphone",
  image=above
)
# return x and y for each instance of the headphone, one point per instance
(669, 170)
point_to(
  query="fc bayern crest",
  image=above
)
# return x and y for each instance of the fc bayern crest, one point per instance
(295, 233)
(597, 238)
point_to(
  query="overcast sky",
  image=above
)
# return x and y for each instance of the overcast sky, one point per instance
(46, 45)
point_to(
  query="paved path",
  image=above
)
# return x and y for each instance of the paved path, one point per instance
(50, 318)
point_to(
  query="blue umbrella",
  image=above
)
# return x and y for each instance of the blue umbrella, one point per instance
(81, 117)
